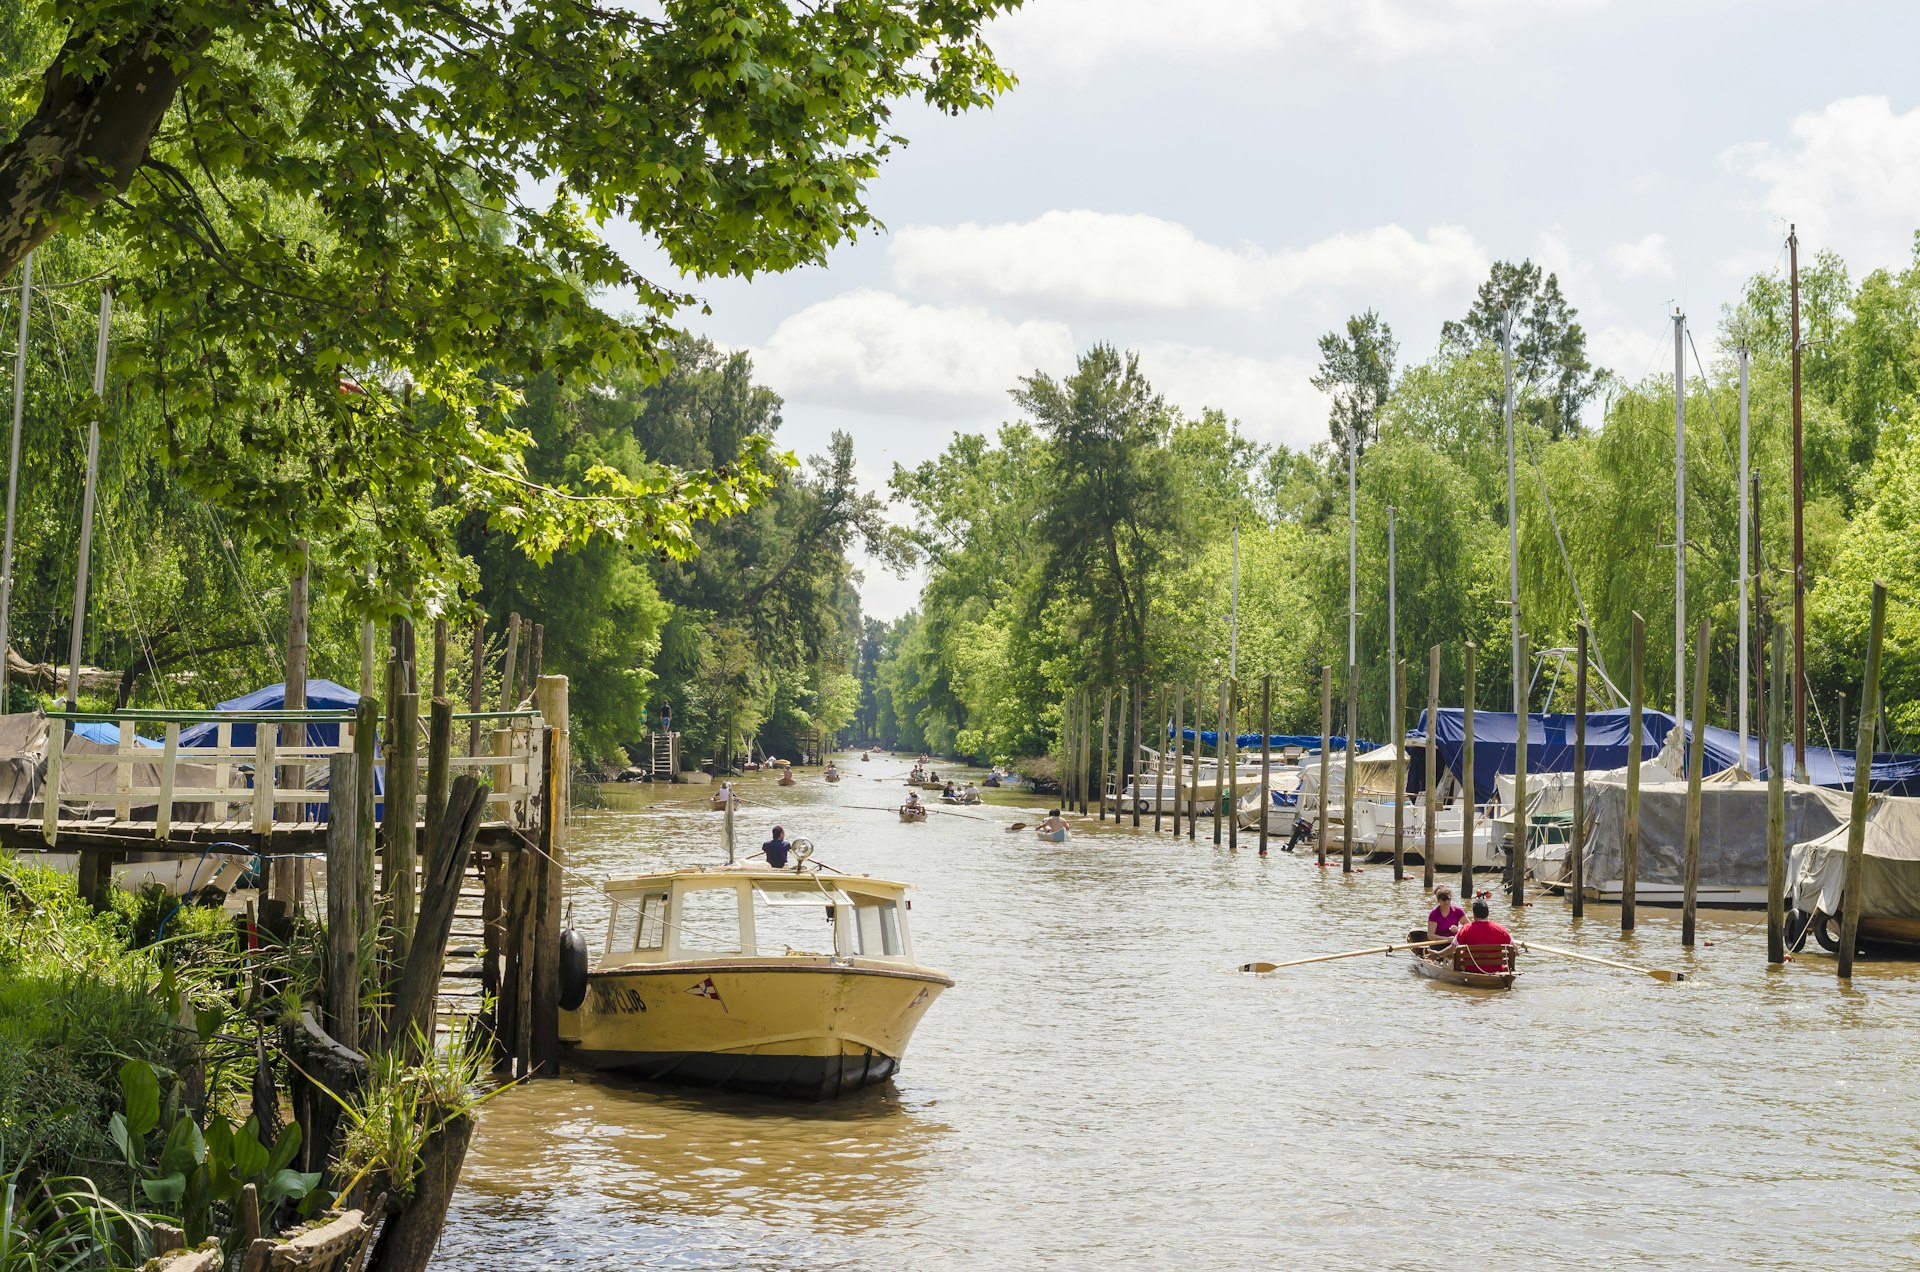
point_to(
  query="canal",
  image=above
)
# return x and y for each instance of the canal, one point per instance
(1098, 1092)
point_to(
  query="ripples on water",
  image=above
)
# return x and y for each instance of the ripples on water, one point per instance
(1095, 1092)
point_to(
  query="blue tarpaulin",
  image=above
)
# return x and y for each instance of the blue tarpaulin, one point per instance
(1251, 741)
(101, 731)
(322, 695)
(1609, 746)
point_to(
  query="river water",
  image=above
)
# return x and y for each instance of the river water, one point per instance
(1097, 1091)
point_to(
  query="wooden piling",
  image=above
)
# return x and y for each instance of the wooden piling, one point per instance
(1776, 804)
(476, 683)
(534, 668)
(403, 785)
(1517, 862)
(510, 665)
(1577, 840)
(1180, 792)
(1433, 765)
(1160, 764)
(1136, 754)
(289, 873)
(1266, 755)
(1696, 767)
(1470, 795)
(546, 945)
(439, 769)
(1086, 747)
(1397, 693)
(1326, 740)
(493, 950)
(366, 831)
(343, 909)
(1106, 752)
(1066, 751)
(1630, 845)
(413, 994)
(1346, 795)
(1219, 761)
(1862, 787)
(439, 658)
(1233, 756)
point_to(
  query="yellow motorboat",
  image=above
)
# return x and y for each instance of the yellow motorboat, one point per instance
(791, 982)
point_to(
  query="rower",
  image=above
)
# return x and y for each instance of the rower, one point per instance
(913, 799)
(1054, 821)
(777, 848)
(1482, 943)
(1443, 920)
(949, 792)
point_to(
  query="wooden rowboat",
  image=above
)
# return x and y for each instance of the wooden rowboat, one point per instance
(1448, 967)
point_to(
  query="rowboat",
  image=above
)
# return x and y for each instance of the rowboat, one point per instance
(832, 774)
(961, 797)
(1449, 966)
(1059, 836)
(726, 976)
(913, 813)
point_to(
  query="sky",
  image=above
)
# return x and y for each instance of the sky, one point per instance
(1215, 183)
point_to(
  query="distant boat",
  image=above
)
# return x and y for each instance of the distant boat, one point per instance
(913, 812)
(1059, 836)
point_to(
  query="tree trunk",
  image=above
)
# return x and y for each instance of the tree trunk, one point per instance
(407, 1239)
(91, 131)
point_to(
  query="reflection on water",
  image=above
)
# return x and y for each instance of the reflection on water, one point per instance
(1095, 1092)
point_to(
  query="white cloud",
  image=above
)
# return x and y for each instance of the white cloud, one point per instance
(1077, 35)
(1647, 257)
(1275, 401)
(871, 350)
(1849, 176)
(1109, 261)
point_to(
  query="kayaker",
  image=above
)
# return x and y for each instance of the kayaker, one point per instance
(777, 848)
(1443, 920)
(1482, 943)
(1053, 822)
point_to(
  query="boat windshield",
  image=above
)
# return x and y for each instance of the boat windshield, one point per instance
(708, 922)
(639, 922)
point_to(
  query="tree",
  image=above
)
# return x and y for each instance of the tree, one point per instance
(1110, 508)
(1356, 369)
(1553, 378)
(291, 196)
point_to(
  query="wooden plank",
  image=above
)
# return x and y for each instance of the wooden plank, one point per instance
(50, 791)
(122, 774)
(262, 780)
(169, 759)
(343, 911)
(222, 768)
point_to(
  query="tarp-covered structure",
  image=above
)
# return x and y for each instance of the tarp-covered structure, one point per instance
(1278, 741)
(1890, 878)
(322, 695)
(1733, 828)
(1550, 738)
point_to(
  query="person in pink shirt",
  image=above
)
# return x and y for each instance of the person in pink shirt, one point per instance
(1443, 920)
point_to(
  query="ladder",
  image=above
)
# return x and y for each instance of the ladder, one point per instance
(665, 757)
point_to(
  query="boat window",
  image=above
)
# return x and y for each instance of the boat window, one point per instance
(879, 929)
(651, 931)
(788, 921)
(806, 894)
(709, 921)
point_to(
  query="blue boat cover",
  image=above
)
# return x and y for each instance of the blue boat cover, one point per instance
(322, 695)
(101, 731)
(1550, 749)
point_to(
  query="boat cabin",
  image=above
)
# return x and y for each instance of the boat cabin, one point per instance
(688, 915)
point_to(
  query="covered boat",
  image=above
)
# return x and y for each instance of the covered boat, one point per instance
(787, 982)
(1889, 879)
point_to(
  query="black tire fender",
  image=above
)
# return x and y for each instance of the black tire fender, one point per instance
(573, 970)
(1826, 930)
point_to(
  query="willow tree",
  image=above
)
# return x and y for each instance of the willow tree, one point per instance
(402, 200)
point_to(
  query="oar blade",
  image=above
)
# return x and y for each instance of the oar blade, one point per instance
(1258, 967)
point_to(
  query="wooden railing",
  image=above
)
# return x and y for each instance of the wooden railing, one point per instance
(266, 784)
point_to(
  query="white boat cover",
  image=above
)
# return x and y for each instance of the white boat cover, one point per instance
(1733, 828)
(1890, 879)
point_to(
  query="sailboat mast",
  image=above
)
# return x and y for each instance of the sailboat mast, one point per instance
(13, 476)
(1746, 514)
(1233, 629)
(1513, 517)
(86, 507)
(1799, 541)
(1679, 516)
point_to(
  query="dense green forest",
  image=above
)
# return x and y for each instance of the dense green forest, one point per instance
(1089, 541)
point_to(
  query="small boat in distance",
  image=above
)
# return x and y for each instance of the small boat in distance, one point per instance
(1459, 965)
(832, 774)
(913, 812)
(727, 976)
(1059, 836)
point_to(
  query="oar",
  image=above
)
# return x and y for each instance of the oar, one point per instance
(1016, 826)
(1328, 958)
(1662, 974)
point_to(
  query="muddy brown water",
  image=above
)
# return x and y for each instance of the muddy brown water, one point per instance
(1097, 1092)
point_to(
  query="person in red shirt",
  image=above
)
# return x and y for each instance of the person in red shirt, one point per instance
(1482, 943)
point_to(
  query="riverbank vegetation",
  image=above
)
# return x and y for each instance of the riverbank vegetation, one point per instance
(1090, 541)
